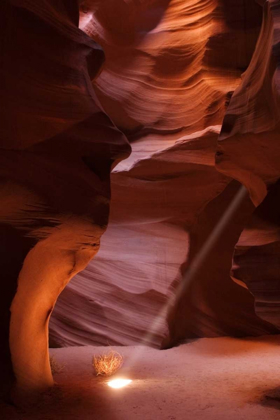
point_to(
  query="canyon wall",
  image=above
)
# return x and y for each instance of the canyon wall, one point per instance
(249, 151)
(57, 150)
(191, 89)
(170, 72)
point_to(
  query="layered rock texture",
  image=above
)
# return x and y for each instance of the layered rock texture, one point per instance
(192, 87)
(170, 71)
(57, 149)
(249, 150)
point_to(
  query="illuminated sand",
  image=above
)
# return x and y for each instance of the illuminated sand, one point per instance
(210, 379)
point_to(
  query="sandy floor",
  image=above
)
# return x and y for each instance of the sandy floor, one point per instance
(217, 379)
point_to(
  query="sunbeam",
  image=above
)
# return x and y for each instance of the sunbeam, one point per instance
(192, 270)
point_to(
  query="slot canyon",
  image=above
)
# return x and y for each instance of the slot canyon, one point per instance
(140, 208)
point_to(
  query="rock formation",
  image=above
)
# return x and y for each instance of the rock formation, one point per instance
(170, 71)
(249, 151)
(57, 149)
(192, 87)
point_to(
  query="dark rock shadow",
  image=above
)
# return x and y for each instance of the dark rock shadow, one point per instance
(271, 398)
(77, 400)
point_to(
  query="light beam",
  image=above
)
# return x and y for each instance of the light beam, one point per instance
(193, 268)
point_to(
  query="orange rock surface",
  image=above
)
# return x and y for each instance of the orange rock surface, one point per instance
(155, 113)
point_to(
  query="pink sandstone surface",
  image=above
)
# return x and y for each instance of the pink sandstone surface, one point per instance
(191, 89)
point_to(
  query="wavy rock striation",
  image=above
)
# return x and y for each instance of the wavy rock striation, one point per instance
(171, 68)
(192, 87)
(249, 151)
(57, 149)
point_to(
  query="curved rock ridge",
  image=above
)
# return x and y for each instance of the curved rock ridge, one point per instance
(257, 255)
(122, 293)
(248, 145)
(165, 64)
(124, 289)
(170, 70)
(213, 305)
(249, 151)
(57, 150)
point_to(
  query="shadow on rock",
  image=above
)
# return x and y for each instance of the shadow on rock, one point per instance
(271, 398)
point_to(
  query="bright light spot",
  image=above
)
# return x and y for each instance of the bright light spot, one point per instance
(119, 383)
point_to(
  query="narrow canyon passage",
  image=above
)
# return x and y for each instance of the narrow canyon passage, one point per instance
(128, 129)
